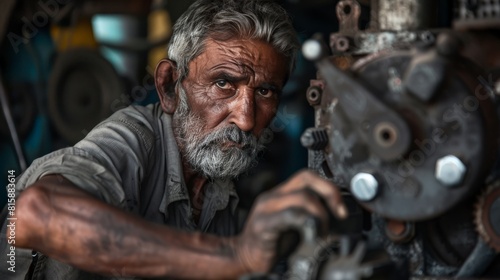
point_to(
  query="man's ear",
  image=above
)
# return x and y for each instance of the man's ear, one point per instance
(165, 78)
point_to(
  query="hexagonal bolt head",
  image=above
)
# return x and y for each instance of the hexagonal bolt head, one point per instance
(450, 170)
(364, 186)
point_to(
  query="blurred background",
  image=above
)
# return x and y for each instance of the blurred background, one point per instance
(65, 65)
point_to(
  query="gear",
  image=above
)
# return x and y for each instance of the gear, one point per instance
(487, 216)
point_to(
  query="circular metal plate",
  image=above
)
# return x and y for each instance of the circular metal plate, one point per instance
(82, 88)
(453, 123)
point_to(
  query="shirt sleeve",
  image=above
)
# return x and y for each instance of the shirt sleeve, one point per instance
(110, 162)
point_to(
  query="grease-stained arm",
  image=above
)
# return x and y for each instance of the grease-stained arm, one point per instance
(68, 224)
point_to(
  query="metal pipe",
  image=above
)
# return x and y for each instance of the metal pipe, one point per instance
(12, 127)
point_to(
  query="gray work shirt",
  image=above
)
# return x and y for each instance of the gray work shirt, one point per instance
(129, 160)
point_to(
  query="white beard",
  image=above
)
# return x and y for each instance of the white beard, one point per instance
(209, 154)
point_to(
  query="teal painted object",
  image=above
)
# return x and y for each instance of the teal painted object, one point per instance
(29, 66)
(31, 63)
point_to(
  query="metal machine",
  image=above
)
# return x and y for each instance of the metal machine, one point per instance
(407, 125)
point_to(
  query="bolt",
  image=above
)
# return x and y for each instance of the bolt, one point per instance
(314, 138)
(428, 37)
(314, 95)
(450, 170)
(312, 49)
(342, 44)
(364, 186)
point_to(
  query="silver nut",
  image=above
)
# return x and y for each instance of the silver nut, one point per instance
(312, 50)
(450, 170)
(364, 186)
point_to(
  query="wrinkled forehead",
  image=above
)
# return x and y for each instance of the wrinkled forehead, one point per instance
(225, 41)
(245, 56)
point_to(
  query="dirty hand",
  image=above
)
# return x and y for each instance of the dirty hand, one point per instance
(288, 206)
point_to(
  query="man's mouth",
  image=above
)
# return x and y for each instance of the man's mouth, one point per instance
(232, 144)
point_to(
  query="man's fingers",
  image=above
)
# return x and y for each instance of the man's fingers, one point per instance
(303, 203)
(267, 229)
(329, 192)
(294, 218)
(303, 198)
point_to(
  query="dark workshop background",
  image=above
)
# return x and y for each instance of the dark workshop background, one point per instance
(66, 65)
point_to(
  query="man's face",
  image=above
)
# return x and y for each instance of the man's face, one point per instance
(228, 98)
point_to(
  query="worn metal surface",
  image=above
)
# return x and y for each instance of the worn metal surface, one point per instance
(350, 114)
(400, 71)
(405, 15)
(394, 24)
(479, 14)
(348, 12)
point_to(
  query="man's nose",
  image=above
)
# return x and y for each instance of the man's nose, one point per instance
(243, 110)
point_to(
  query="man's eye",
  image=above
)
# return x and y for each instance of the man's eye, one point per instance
(265, 92)
(223, 84)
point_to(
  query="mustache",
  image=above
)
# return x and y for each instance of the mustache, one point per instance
(233, 133)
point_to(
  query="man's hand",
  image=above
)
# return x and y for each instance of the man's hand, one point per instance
(65, 223)
(56, 217)
(286, 207)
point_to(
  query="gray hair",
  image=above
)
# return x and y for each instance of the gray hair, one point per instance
(226, 19)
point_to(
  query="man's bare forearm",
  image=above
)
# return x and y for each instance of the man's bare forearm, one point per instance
(69, 225)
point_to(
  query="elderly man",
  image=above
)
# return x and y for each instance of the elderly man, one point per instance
(148, 192)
